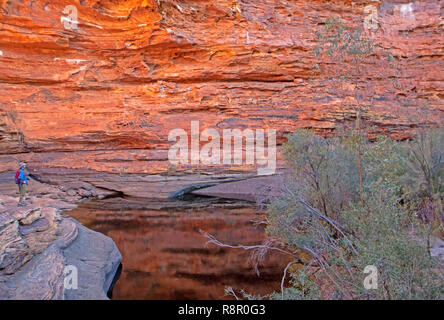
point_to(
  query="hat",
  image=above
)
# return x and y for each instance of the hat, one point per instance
(22, 164)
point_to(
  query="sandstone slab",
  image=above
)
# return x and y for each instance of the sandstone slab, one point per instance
(37, 244)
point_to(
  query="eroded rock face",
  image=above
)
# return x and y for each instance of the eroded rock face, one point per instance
(90, 108)
(93, 97)
(37, 244)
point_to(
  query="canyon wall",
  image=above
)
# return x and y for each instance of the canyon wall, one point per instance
(90, 90)
(103, 94)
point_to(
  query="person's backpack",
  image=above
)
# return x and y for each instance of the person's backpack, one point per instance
(17, 179)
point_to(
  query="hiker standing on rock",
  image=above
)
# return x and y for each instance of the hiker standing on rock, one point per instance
(22, 180)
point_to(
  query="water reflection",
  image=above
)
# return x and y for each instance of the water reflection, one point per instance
(166, 257)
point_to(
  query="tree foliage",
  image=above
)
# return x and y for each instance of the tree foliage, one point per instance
(320, 213)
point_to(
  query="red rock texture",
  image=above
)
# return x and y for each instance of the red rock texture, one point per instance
(96, 104)
(106, 95)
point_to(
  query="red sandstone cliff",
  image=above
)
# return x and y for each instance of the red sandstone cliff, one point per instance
(80, 104)
(133, 70)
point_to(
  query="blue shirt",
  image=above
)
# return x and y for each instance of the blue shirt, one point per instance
(23, 177)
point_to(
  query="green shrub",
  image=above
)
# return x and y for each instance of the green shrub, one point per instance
(320, 213)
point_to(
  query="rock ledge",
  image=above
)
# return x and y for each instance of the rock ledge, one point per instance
(37, 243)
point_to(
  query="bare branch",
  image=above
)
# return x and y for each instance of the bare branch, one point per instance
(283, 277)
